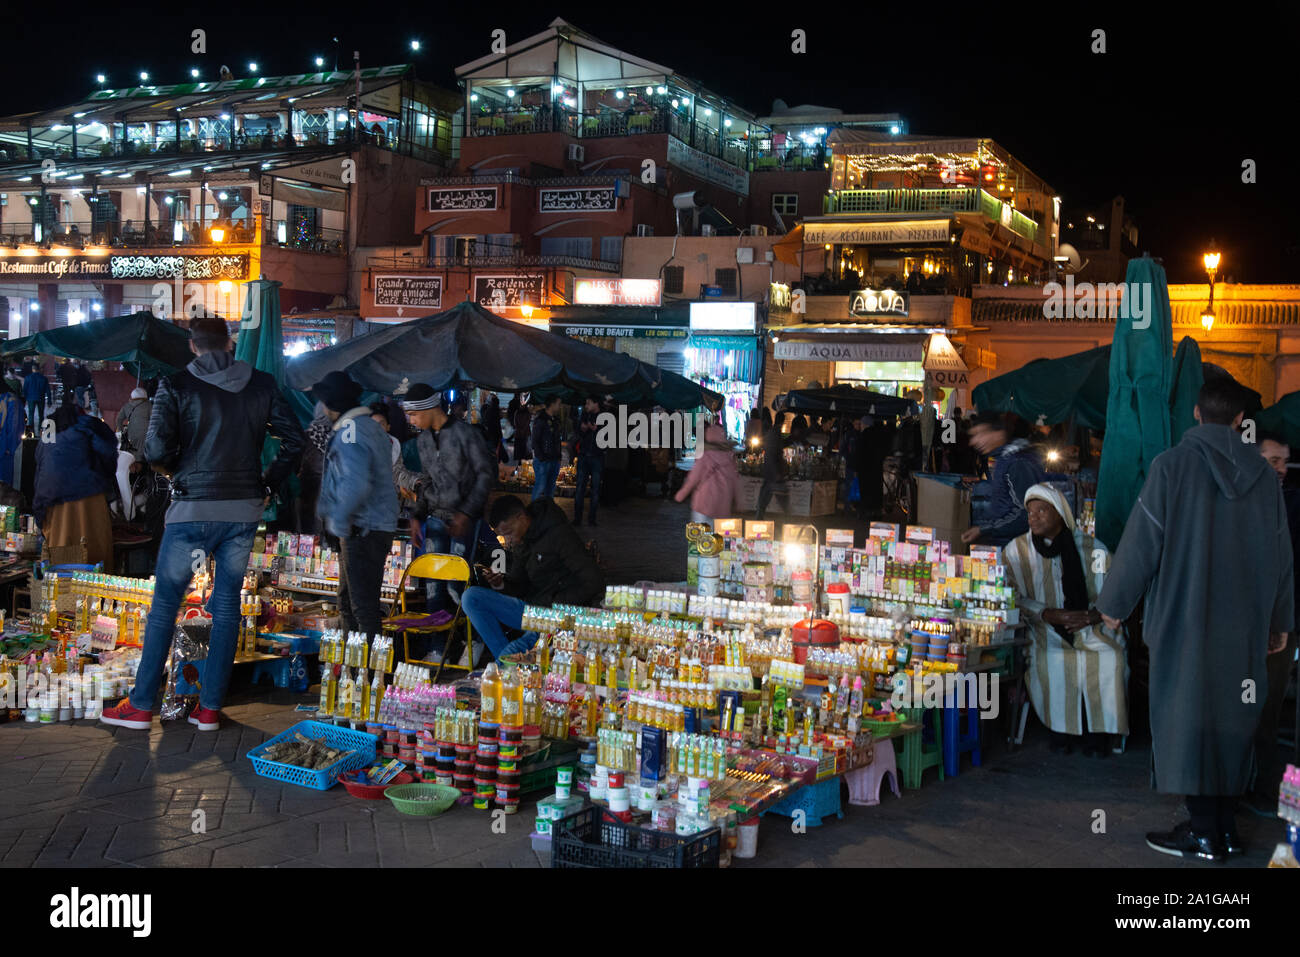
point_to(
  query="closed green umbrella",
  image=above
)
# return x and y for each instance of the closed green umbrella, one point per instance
(1188, 379)
(261, 340)
(1137, 412)
(260, 343)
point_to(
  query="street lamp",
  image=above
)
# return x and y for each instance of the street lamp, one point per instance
(1211, 261)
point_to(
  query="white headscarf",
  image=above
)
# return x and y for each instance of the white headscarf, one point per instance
(1053, 497)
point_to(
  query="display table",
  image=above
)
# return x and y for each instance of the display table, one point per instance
(804, 498)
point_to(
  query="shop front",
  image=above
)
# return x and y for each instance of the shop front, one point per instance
(724, 354)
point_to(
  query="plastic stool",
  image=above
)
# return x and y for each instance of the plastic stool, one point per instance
(277, 670)
(815, 800)
(865, 783)
(956, 742)
(917, 753)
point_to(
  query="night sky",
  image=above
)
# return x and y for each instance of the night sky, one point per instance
(1165, 117)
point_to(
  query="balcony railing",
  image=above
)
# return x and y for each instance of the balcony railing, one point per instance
(794, 158)
(120, 235)
(546, 119)
(521, 259)
(885, 201)
(317, 239)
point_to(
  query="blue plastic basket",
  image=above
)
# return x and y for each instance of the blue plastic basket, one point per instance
(363, 744)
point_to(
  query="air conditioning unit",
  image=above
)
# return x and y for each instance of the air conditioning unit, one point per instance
(577, 152)
(758, 230)
(643, 230)
(707, 230)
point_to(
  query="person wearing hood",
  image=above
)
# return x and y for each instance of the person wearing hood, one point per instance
(1207, 545)
(358, 499)
(1077, 675)
(208, 427)
(76, 478)
(133, 423)
(1015, 469)
(548, 563)
(712, 482)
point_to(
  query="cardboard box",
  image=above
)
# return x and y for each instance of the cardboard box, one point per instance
(940, 505)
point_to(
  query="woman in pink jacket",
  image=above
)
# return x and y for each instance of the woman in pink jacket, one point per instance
(712, 481)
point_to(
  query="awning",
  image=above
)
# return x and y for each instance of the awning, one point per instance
(313, 196)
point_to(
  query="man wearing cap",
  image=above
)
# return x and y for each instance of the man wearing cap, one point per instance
(358, 500)
(1015, 469)
(1077, 674)
(209, 423)
(133, 423)
(456, 474)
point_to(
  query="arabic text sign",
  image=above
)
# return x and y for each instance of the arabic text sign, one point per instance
(459, 199)
(617, 292)
(421, 292)
(500, 292)
(187, 267)
(585, 199)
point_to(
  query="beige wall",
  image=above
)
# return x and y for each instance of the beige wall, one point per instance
(645, 256)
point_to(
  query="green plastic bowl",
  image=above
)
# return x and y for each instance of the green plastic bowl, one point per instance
(422, 800)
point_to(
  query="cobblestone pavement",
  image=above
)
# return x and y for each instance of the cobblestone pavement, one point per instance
(82, 794)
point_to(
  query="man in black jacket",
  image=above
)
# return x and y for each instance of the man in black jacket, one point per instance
(207, 429)
(548, 564)
(546, 444)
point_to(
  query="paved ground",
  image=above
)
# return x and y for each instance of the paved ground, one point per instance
(85, 795)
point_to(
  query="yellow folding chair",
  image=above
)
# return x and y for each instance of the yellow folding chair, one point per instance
(448, 568)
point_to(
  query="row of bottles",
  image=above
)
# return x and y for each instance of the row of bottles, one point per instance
(697, 756)
(250, 609)
(655, 710)
(132, 619)
(350, 696)
(616, 749)
(356, 651)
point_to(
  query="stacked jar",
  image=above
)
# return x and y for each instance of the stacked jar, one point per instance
(485, 764)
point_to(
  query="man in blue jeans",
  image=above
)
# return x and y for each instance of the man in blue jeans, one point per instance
(591, 460)
(546, 444)
(548, 563)
(208, 426)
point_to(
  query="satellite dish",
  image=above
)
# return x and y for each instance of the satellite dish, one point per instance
(1069, 258)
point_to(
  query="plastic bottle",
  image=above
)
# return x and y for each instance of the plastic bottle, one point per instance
(361, 697)
(855, 699)
(490, 694)
(347, 684)
(377, 691)
(328, 690)
(512, 699)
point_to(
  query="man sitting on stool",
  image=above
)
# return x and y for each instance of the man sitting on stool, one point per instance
(548, 564)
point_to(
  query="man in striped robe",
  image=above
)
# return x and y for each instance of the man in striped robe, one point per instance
(1077, 674)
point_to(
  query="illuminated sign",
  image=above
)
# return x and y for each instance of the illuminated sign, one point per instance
(184, 267)
(724, 317)
(586, 199)
(617, 292)
(882, 302)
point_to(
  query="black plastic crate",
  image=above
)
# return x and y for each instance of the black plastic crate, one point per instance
(591, 838)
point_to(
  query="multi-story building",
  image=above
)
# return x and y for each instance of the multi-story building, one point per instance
(168, 197)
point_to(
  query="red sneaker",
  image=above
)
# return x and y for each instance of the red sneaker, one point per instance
(124, 715)
(206, 719)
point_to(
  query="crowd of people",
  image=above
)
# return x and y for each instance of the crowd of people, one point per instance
(1203, 577)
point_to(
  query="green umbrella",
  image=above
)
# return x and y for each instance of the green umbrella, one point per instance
(1137, 413)
(146, 345)
(1188, 379)
(1283, 417)
(260, 343)
(1052, 390)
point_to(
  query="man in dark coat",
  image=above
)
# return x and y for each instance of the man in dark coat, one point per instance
(1016, 469)
(1263, 797)
(1207, 544)
(548, 563)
